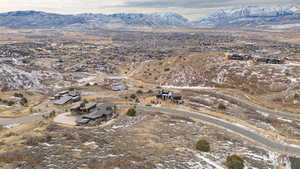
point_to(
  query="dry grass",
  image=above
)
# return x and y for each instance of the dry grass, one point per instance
(120, 163)
(35, 140)
(20, 156)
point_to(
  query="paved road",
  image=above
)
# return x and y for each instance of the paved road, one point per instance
(9, 121)
(252, 135)
(252, 107)
(290, 149)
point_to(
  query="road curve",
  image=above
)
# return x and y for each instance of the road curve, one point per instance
(243, 131)
(252, 135)
(251, 107)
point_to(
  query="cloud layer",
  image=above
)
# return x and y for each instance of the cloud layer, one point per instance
(199, 4)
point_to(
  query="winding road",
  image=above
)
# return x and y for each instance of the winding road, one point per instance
(243, 131)
(236, 128)
(253, 107)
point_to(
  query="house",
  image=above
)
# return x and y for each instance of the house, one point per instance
(235, 56)
(97, 115)
(269, 60)
(81, 108)
(63, 100)
(76, 108)
(119, 86)
(176, 98)
(65, 97)
(88, 107)
(168, 95)
(163, 94)
(111, 80)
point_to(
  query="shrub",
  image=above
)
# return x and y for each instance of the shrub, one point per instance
(131, 112)
(296, 96)
(31, 110)
(137, 100)
(139, 92)
(18, 95)
(203, 145)
(221, 106)
(10, 103)
(52, 114)
(234, 162)
(52, 127)
(72, 89)
(133, 96)
(35, 140)
(167, 69)
(23, 101)
(10, 134)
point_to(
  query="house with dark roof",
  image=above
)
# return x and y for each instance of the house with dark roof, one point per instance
(66, 97)
(168, 95)
(269, 60)
(176, 98)
(97, 114)
(236, 56)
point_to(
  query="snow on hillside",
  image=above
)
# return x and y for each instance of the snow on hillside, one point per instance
(14, 78)
(252, 16)
(37, 19)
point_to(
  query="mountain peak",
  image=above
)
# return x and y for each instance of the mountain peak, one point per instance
(38, 19)
(250, 16)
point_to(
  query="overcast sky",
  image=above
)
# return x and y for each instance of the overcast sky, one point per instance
(192, 9)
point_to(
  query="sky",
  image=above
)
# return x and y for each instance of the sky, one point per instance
(191, 9)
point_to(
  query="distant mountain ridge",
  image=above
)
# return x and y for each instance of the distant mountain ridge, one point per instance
(252, 16)
(38, 19)
(246, 17)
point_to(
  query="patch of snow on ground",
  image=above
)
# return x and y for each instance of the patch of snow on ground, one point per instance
(285, 120)
(263, 113)
(9, 126)
(87, 79)
(210, 162)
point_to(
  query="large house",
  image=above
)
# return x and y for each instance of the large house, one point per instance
(65, 97)
(92, 113)
(236, 56)
(168, 95)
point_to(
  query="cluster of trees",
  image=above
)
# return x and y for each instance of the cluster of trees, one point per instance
(23, 101)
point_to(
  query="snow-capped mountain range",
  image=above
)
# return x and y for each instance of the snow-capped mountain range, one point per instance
(37, 19)
(250, 16)
(253, 16)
